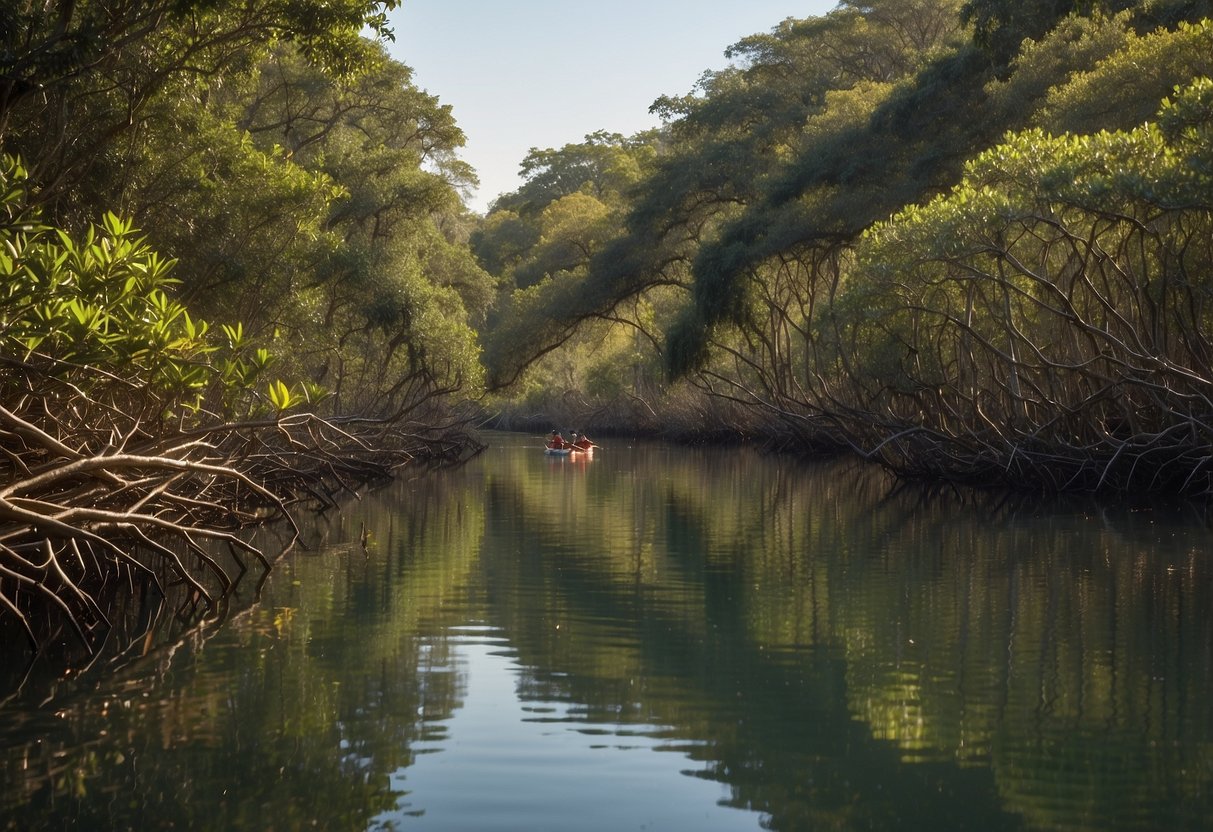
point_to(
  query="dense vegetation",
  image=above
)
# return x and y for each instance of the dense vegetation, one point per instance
(235, 279)
(969, 239)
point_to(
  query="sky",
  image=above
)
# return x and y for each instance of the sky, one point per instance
(544, 73)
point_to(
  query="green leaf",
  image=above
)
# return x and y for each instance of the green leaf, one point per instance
(280, 395)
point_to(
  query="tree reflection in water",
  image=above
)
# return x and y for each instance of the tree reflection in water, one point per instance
(832, 651)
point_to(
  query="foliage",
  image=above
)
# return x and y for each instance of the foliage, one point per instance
(245, 218)
(501, 241)
(1073, 46)
(571, 229)
(885, 146)
(92, 68)
(540, 243)
(1121, 90)
(385, 301)
(1053, 309)
(90, 310)
(321, 211)
(605, 165)
(1001, 26)
(73, 38)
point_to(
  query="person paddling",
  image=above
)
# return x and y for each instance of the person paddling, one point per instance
(556, 441)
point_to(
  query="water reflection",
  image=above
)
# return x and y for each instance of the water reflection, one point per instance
(688, 639)
(509, 762)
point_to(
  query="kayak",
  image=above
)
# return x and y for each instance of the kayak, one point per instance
(558, 451)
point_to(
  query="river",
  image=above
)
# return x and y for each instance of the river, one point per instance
(661, 638)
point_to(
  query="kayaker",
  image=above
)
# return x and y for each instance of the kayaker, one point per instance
(556, 442)
(582, 441)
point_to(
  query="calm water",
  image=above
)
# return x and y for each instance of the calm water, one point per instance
(661, 639)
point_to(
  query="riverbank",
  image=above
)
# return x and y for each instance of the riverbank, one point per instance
(1128, 466)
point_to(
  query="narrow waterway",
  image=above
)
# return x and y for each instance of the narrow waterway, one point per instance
(662, 638)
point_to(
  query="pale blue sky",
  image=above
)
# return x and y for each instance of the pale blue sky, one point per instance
(544, 73)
